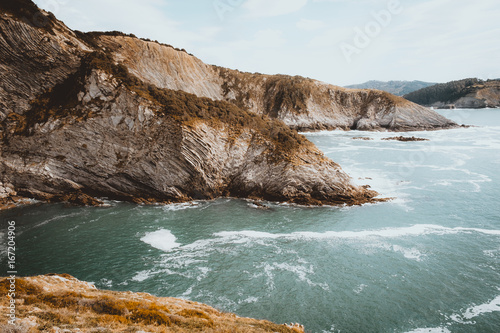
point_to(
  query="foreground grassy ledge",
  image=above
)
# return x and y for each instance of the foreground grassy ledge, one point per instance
(61, 303)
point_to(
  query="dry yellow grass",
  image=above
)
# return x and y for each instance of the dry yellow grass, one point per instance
(61, 303)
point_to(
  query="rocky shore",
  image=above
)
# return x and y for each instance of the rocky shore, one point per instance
(61, 303)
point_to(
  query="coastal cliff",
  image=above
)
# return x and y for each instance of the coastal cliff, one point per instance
(463, 94)
(61, 303)
(82, 126)
(108, 115)
(301, 103)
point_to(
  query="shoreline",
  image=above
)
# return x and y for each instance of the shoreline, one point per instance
(60, 301)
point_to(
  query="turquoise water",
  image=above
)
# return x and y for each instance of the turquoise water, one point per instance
(428, 261)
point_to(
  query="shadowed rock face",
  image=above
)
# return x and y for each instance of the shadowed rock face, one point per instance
(77, 125)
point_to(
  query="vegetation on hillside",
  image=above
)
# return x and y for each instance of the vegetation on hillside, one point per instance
(28, 12)
(91, 310)
(398, 88)
(447, 92)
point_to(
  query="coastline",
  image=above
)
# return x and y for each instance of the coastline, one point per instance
(55, 302)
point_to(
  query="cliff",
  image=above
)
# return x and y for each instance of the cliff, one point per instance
(301, 103)
(466, 94)
(55, 303)
(90, 115)
(77, 124)
(398, 88)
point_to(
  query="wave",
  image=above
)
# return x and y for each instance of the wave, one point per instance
(164, 239)
(415, 230)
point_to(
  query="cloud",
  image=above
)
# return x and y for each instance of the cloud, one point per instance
(145, 18)
(310, 25)
(267, 8)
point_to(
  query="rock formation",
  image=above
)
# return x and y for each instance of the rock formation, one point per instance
(301, 103)
(90, 115)
(61, 303)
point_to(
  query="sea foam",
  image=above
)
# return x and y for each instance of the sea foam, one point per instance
(415, 230)
(492, 306)
(162, 239)
(431, 330)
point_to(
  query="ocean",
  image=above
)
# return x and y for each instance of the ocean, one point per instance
(427, 261)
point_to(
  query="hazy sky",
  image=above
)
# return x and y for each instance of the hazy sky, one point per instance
(337, 41)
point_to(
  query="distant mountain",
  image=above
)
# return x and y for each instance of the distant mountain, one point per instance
(398, 88)
(469, 93)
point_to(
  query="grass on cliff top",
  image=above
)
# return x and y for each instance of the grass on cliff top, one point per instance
(61, 101)
(28, 12)
(120, 312)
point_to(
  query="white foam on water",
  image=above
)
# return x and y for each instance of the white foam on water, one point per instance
(491, 253)
(249, 300)
(161, 239)
(415, 230)
(360, 288)
(180, 206)
(430, 330)
(413, 253)
(203, 273)
(107, 283)
(492, 306)
(141, 276)
(300, 271)
(187, 292)
(56, 218)
(477, 310)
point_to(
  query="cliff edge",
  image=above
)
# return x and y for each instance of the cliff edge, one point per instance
(301, 103)
(61, 303)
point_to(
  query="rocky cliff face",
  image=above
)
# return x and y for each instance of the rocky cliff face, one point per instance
(78, 125)
(61, 303)
(110, 115)
(301, 103)
(110, 137)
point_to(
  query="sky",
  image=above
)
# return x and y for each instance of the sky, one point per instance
(341, 42)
